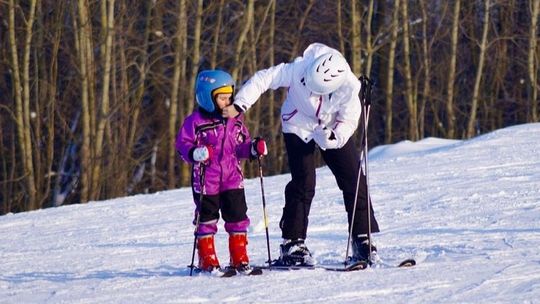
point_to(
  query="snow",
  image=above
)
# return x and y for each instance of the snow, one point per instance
(467, 211)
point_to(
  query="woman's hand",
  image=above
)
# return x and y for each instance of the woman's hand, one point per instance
(230, 112)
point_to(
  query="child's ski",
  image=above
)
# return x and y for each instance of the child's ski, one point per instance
(226, 272)
(249, 270)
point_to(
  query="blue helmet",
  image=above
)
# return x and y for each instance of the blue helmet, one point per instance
(208, 83)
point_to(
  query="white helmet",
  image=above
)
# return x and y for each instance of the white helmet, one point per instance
(327, 73)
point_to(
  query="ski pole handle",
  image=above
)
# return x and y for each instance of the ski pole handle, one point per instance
(365, 91)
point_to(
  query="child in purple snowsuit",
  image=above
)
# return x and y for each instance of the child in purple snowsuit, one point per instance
(214, 146)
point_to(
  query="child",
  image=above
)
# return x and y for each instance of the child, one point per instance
(214, 145)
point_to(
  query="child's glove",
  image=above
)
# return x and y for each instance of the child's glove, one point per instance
(325, 138)
(258, 147)
(202, 153)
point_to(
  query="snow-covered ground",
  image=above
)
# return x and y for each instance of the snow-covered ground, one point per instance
(468, 211)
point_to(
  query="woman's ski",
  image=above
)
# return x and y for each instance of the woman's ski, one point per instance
(359, 265)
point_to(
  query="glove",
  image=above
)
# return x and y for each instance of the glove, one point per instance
(325, 138)
(202, 153)
(258, 147)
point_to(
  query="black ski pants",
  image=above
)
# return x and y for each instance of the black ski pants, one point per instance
(300, 191)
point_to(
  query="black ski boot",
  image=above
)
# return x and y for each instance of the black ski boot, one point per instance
(295, 253)
(360, 248)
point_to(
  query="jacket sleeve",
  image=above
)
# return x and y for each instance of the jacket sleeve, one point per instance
(349, 113)
(271, 78)
(186, 140)
(243, 150)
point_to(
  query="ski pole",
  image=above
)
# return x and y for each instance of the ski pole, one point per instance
(367, 191)
(264, 210)
(198, 216)
(367, 106)
(365, 101)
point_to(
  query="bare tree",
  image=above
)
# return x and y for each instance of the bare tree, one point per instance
(217, 29)
(533, 60)
(107, 10)
(480, 69)
(410, 97)
(426, 62)
(85, 62)
(46, 99)
(339, 23)
(196, 53)
(300, 27)
(390, 69)
(173, 113)
(356, 52)
(21, 83)
(370, 48)
(246, 25)
(450, 112)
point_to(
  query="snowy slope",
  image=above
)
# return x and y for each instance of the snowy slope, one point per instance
(468, 211)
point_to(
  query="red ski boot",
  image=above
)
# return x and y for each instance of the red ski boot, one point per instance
(237, 249)
(207, 253)
(239, 256)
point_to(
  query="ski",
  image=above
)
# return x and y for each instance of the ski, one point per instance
(360, 265)
(376, 262)
(339, 268)
(355, 266)
(226, 272)
(286, 267)
(249, 270)
(280, 265)
(407, 263)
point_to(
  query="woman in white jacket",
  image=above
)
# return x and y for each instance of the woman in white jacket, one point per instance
(322, 108)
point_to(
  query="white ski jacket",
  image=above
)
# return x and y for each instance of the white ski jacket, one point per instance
(302, 110)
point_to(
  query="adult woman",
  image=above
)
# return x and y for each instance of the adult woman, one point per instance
(322, 108)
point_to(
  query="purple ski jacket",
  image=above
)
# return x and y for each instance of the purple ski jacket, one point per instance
(230, 142)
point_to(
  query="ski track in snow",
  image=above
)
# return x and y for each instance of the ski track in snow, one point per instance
(467, 211)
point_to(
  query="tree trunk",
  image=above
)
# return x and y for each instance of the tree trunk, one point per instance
(217, 29)
(184, 95)
(426, 91)
(246, 25)
(173, 114)
(275, 133)
(479, 71)
(103, 114)
(51, 98)
(196, 54)
(390, 74)
(532, 61)
(339, 22)
(450, 112)
(83, 40)
(370, 49)
(409, 94)
(21, 84)
(300, 28)
(356, 52)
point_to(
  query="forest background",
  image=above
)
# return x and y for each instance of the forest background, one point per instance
(92, 93)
